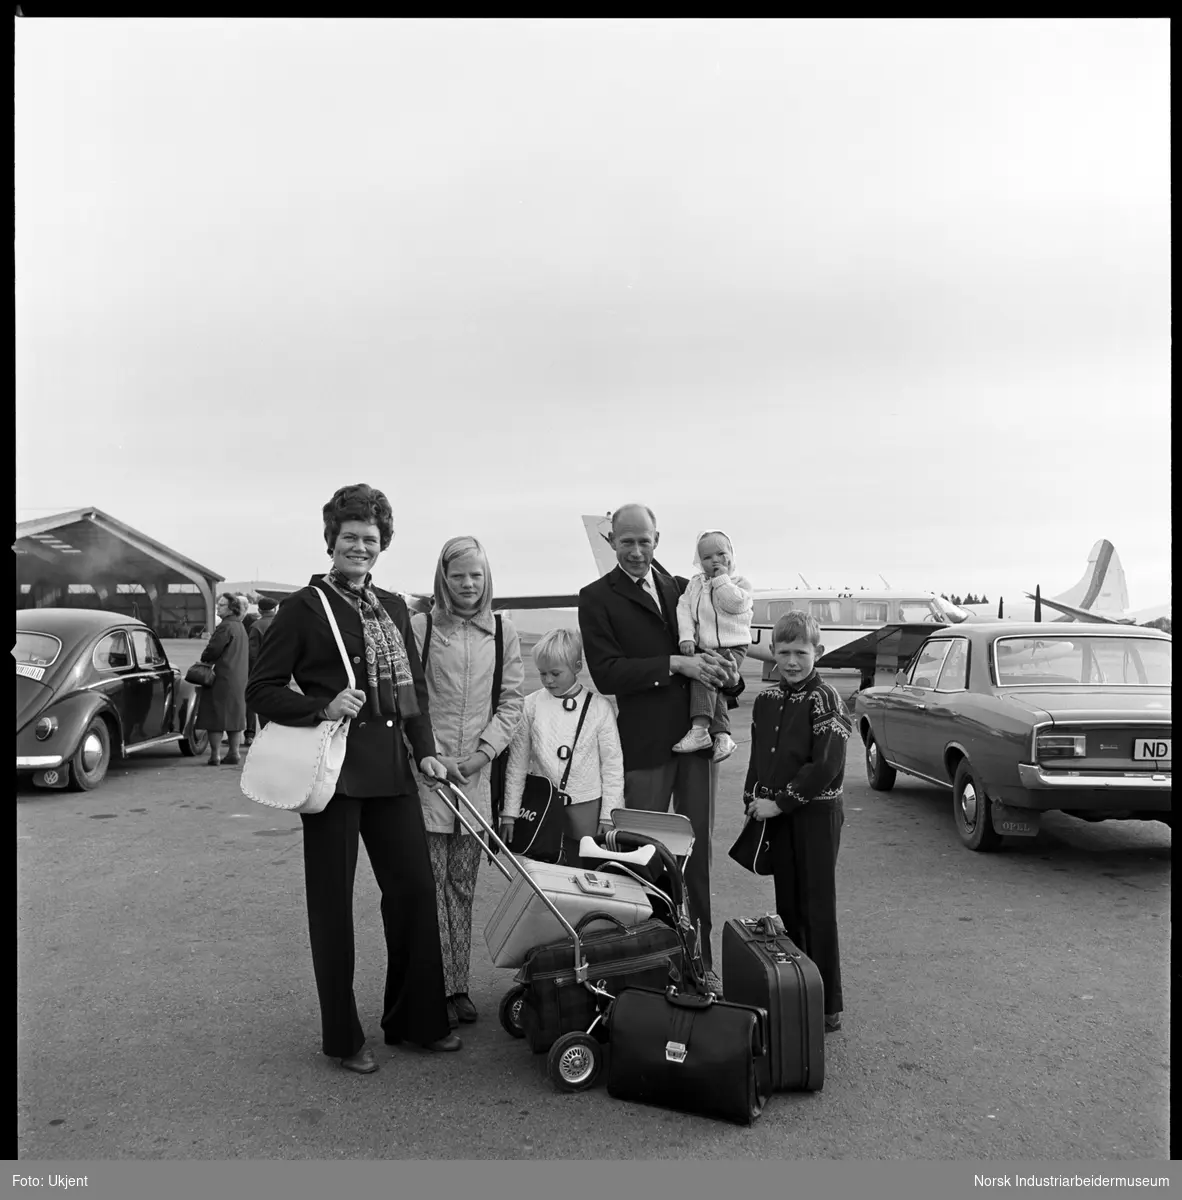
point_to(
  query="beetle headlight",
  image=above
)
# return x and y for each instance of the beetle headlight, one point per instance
(1061, 745)
(45, 728)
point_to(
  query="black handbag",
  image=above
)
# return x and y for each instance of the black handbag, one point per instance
(200, 673)
(539, 827)
(645, 955)
(689, 1052)
(751, 849)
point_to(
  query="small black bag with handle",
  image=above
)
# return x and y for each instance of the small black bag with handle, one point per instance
(751, 850)
(540, 825)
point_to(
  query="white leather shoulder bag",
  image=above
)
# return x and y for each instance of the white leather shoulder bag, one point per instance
(296, 767)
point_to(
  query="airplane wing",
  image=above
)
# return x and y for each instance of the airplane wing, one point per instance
(1080, 614)
(889, 647)
(500, 602)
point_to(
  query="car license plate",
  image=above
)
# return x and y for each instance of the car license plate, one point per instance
(1151, 750)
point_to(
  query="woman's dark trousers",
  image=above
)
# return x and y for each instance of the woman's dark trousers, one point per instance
(415, 1007)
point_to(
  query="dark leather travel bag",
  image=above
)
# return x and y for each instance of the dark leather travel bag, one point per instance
(689, 1052)
(644, 955)
(762, 965)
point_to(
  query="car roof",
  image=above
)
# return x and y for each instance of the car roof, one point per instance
(71, 622)
(1053, 629)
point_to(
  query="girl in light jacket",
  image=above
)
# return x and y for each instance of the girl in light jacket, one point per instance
(471, 728)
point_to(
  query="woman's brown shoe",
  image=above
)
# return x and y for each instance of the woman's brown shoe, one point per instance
(363, 1062)
(213, 762)
(231, 760)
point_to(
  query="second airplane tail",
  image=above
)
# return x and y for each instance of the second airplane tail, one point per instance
(1102, 589)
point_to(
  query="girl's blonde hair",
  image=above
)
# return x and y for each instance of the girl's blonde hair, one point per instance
(563, 646)
(455, 548)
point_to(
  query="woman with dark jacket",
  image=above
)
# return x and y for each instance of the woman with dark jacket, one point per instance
(222, 707)
(376, 797)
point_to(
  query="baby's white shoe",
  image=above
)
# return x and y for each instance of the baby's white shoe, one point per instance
(697, 739)
(724, 747)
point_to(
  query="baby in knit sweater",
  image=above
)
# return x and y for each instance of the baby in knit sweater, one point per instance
(543, 741)
(714, 613)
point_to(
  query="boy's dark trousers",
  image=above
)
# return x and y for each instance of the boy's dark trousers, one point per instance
(804, 846)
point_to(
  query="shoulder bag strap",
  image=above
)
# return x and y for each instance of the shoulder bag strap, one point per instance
(499, 666)
(426, 645)
(578, 730)
(336, 633)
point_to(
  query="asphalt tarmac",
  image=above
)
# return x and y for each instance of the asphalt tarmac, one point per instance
(1004, 1006)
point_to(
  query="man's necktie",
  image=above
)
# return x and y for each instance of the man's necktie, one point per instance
(649, 598)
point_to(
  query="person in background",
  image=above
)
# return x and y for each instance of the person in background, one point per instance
(799, 733)
(251, 615)
(222, 707)
(714, 613)
(549, 725)
(376, 799)
(255, 636)
(628, 619)
(471, 727)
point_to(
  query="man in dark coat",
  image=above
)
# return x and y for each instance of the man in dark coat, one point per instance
(255, 633)
(628, 619)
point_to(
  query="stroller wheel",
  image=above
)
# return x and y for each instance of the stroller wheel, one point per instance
(575, 1062)
(510, 1012)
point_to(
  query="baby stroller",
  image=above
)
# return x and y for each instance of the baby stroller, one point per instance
(566, 985)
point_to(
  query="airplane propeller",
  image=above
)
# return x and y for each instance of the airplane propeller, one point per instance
(1037, 603)
(1001, 603)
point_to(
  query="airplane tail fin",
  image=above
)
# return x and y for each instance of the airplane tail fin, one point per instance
(1102, 588)
(597, 529)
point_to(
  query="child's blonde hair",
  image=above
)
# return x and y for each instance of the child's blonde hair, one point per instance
(560, 646)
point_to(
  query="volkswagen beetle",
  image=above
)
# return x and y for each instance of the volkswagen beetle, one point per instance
(92, 686)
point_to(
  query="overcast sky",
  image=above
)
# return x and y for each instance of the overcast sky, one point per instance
(873, 296)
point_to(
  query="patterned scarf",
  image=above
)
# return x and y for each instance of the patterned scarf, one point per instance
(389, 681)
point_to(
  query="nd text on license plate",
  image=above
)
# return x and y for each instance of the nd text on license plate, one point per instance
(1151, 749)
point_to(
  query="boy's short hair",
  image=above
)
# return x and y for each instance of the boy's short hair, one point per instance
(796, 627)
(560, 646)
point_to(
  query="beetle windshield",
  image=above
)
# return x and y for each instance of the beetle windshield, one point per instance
(1083, 659)
(36, 649)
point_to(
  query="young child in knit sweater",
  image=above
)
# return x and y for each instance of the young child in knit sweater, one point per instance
(714, 613)
(541, 745)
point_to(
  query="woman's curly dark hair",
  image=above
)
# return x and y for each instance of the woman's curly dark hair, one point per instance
(359, 502)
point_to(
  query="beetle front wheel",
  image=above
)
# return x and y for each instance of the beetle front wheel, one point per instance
(89, 763)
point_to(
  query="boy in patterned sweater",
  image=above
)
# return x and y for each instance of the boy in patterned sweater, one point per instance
(799, 732)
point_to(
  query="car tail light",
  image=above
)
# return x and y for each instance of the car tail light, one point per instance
(1061, 745)
(45, 728)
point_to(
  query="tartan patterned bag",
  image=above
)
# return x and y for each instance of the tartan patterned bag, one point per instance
(645, 955)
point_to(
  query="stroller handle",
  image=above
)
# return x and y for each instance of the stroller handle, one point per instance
(624, 838)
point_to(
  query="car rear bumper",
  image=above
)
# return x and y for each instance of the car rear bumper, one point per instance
(38, 762)
(1057, 790)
